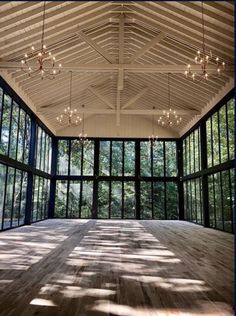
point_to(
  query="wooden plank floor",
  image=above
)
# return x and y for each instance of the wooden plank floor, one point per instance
(109, 267)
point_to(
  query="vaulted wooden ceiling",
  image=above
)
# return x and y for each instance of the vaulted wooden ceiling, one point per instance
(121, 54)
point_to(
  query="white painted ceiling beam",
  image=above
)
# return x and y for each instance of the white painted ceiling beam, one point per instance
(135, 98)
(114, 67)
(101, 97)
(146, 47)
(95, 46)
(136, 112)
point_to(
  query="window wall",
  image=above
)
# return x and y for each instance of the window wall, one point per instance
(217, 172)
(106, 187)
(15, 126)
(18, 162)
(13, 184)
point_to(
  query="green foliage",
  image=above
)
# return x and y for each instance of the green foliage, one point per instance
(40, 199)
(103, 199)
(193, 200)
(221, 199)
(104, 158)
(192, 153)
(116, 199)
(129, 158)
(171, 159)
(14, 184)
(63, 157)
(129, 199)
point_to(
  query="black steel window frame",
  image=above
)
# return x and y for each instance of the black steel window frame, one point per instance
(23, 166)
(206, 171)
(96, 178)
(31, 170)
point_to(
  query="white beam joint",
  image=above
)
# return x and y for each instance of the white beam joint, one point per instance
(146, 47)
(135, 98)
(95, 46)
(101, 97)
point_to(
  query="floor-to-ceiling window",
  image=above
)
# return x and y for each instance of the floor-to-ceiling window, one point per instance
(218, 173)
(105, 185)
(25, 160)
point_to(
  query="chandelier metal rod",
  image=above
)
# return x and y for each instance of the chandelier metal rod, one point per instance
(43, 27)
(203, 31)
(70, 90)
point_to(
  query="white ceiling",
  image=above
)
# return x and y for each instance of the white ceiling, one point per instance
(120, 54)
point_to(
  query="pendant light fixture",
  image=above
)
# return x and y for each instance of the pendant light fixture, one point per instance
(203, 58)
(169, 117)
(69, 116)
(40, 62)
(153, 138)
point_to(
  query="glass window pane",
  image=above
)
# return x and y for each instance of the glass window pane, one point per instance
(88, 159)
(21, 136)
(2, 189)
(75, 158)
(215, 139)
(117, 158)
(61, 199)
(231, 127)
(199, 200)
(145, 200)
(116, 199)
(35, 199)
(23, 198)
(27, 139)
(14, 131)
(74, 199)
(227, 201)
(129, 199)
(209, 143)
(16, 198)
(172, 200)
(218, 202)
(158, 200)
(158, 159)
(145, 159)
(129, 158)
(232, 180)
(87, 199)
(211, 201)
(4, 141)
(103, 199)
(63, 157)
(104, 158)
(223, 135)
(171, 163)
(9, 198)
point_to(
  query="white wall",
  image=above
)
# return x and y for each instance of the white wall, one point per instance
(130, 126)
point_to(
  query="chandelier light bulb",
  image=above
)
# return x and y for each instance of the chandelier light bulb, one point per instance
(32, 47)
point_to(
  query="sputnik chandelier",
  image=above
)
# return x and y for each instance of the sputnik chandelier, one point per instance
(83, 140)
(153, 138)
(45, 63)
(169, 118)
(69, 116)
(203, 58)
